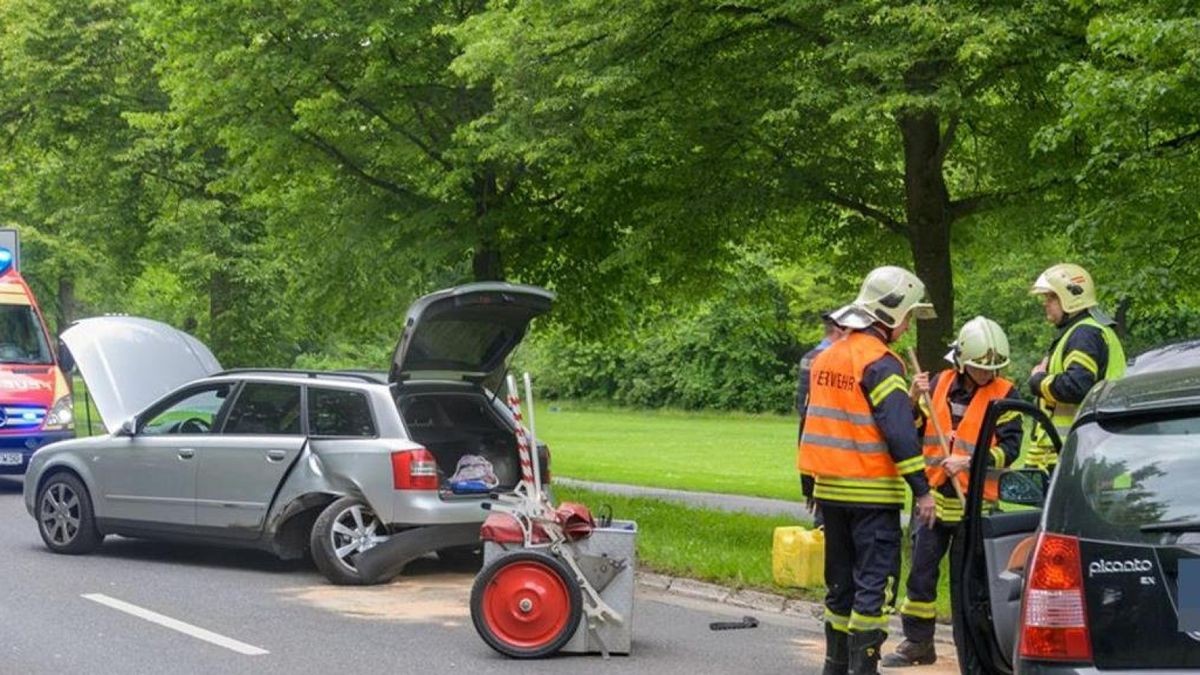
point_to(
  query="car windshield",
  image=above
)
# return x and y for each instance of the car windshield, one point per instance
(21, 336)
(1124, 480)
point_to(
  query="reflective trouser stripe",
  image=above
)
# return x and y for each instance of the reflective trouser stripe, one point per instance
(921, 610)
(859, 622)
(840, 622)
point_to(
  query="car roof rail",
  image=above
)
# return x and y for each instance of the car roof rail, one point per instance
(314, 374)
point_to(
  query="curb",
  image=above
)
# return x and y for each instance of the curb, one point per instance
(759, 601)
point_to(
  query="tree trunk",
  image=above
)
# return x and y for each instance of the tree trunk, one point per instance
(486, 264)
(220, 290)
(66, 304)
(927, 206)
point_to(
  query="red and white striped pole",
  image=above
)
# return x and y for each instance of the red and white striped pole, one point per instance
(523, 452)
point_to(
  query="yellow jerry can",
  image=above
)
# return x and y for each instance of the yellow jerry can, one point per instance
(798, 557)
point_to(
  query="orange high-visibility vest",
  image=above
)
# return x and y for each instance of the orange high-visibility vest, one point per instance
(967, 432)
(842, 446)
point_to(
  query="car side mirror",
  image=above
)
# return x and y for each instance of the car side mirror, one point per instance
(66, 361)
(128, 427)
(1023, 488)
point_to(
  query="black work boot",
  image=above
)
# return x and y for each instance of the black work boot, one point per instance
(837, 651)
(910, 653)
(864, 651)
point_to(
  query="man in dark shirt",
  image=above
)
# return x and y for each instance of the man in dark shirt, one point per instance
(832, 332)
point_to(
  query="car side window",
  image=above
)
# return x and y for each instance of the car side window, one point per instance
(263, 408)
(195, 413)
(339, 412)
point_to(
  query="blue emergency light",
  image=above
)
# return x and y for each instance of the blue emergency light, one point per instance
(6, 260)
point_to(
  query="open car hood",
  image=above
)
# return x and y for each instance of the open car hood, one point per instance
(465, 332)
(128, 362)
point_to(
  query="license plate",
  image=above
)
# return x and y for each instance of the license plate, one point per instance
(10, 458)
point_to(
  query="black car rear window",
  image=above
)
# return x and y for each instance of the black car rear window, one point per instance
(1119, 476)
(339, 412)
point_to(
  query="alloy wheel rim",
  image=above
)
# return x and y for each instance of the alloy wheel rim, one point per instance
(355, 530)
(61, 514)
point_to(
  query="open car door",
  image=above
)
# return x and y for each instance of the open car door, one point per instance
(1003, 513)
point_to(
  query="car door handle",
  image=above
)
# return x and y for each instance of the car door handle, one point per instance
(186, 453)
(276, 455)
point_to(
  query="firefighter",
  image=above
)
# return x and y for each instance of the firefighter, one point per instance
(960, 400)
(832, 332)
(1085, 351)
(861, 446)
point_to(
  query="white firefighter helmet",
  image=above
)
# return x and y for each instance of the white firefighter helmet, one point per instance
(1070, 283)
(887, 296)
(981, 343)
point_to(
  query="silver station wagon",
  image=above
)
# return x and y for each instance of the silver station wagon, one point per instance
(357, 467)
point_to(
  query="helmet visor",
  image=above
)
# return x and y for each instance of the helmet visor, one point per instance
(923, 310)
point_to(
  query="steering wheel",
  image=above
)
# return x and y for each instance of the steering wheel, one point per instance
(194, 425)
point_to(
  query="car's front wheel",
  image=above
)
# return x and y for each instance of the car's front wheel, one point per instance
(65, 518)
(343, 531)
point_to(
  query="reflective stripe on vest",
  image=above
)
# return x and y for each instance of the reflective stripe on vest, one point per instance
(968, 427)
(842, 446)
(1062, 415)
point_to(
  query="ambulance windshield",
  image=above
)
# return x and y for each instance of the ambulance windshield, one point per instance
(21, 336)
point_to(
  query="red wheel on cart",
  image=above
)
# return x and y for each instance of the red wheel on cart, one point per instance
(526, 604)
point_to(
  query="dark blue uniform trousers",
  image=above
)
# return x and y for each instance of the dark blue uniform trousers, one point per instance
(930, 545)
(862, 565)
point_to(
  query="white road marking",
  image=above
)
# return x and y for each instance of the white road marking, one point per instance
(176, 625)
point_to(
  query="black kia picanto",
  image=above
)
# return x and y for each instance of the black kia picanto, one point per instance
(1102, 574)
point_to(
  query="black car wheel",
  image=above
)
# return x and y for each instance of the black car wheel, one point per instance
(345, 529)
(65, 518)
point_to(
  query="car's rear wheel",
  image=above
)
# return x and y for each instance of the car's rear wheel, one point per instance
(65, 517)
(526, 605)
(343, 531)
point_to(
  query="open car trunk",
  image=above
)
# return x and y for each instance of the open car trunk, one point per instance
(452, 422)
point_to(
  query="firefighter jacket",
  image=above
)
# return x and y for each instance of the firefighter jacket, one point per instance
(859, 440)
(959, 412)
(1084, 352)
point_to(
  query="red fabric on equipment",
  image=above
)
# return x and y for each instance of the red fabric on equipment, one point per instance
(575, 519)
(504, 529)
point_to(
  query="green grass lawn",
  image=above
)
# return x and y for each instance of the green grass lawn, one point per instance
(711, 452)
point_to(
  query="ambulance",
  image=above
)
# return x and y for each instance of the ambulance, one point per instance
(35, 402)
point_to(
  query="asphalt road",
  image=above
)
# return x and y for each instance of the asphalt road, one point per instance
(104, 613)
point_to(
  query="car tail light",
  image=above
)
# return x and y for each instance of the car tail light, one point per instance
(1054, 616)
(414, 470)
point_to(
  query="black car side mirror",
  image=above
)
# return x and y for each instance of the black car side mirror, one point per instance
(1025, 487)
(127, 428)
